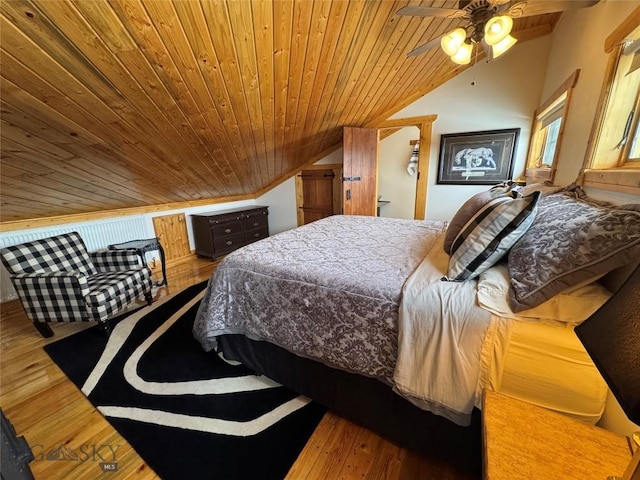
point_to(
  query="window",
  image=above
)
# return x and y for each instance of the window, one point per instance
(613, 161)
(546, 134)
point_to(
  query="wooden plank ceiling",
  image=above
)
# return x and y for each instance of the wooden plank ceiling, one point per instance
(127, 103)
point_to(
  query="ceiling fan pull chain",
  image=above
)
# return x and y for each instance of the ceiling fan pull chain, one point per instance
(475, 63)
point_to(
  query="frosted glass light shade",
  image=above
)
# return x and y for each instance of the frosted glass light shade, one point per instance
(463, 55)
(452, 41)
(502, 46)
(497, 29)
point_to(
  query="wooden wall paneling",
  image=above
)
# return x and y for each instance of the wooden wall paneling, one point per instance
(372, 55)
(172, 232)
(38, 187)
(217, 19)
(50, 171)
(310, 75)
(330, 42)
(107, 24)
(105, 161)
(38, 44)
(379, 81)
(355, 59)
(49, 74)
(301, 24)
(38, 127)
(166, 137)
(282, 21)
(241, 28)
(262, 13)
(214, 78)
(409, 72)
(173, 59)
(353, 17)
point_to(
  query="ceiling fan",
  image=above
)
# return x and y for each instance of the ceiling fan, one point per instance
(488, 22)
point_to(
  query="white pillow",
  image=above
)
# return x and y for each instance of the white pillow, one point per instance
(570, 307)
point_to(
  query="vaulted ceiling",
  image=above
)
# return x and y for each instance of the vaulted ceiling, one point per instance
(127, 103)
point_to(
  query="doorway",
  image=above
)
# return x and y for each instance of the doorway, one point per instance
(396, 185)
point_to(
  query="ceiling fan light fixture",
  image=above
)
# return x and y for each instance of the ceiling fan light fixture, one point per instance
(463, 55)
(497, 29)
(452, 41)
(502, 46)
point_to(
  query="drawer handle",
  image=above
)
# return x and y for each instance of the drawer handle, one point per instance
(229, 242)
(256, 234)
(227, 230)
(255, 224)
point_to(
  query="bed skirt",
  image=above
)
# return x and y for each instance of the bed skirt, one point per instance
(364, 401)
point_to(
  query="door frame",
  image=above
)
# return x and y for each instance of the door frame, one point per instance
(337, 188)
(424, 124)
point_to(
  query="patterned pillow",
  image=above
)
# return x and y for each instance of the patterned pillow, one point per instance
(572, 240)
(490, 233)
(469, 209)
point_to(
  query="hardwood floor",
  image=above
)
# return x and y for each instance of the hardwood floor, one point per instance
(49, 411)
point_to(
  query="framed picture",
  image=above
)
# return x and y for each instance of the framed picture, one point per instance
(477, 158)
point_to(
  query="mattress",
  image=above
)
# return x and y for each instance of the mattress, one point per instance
(330, 291)
(546, 365)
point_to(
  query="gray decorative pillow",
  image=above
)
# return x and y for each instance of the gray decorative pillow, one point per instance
(572, 240)
(469, 209)
(490, 233)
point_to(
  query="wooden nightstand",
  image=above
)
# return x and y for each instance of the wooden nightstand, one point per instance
(522, 441)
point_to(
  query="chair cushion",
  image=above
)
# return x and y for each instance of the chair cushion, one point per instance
(65, 252)
(112, 291)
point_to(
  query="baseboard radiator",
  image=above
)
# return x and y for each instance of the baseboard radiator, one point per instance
(97, 235)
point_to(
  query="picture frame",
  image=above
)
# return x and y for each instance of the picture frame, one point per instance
(477, 158)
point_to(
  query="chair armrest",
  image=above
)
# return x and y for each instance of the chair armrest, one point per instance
(116, 260)
(53, 296)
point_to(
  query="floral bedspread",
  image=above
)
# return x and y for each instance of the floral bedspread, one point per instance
(329, 290)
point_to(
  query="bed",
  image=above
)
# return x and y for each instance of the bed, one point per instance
(399, 325)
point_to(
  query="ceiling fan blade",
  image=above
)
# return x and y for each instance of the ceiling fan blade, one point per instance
(540, 7)
(422, 11)
(424, 47)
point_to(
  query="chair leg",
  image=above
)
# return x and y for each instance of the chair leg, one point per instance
(44, 329)
(148, 297)
(105, 327)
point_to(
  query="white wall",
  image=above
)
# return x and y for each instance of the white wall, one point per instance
(281, 201)
(505, 95)
(394, 183)
(578, 42)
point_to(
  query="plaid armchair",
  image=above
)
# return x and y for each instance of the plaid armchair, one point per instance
(57, 280)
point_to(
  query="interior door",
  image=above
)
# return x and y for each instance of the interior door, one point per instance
(317, 188)
(360, 177)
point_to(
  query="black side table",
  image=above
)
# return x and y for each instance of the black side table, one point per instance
(141, 247)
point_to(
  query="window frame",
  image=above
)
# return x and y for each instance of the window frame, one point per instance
(561, 97)
(625, 176)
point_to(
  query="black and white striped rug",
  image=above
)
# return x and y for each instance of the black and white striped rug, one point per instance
(188, 413)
